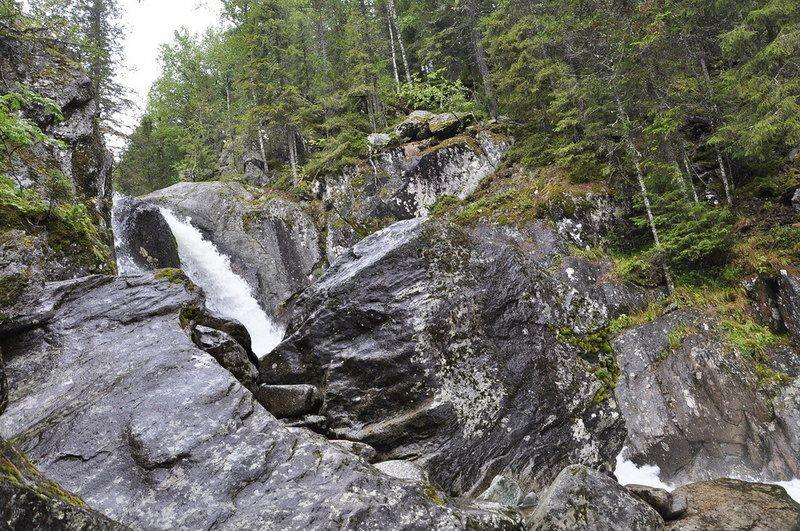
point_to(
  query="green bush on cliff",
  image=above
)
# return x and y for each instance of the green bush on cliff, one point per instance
(16, 131)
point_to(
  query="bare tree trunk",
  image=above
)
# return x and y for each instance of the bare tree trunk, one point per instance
(394, 54)
(291, 142)
(688, 166)
(623, 117)
(669, 151)
(722, 172)
(480, 56)
(260, 130)
(483, 68)
(393, 21)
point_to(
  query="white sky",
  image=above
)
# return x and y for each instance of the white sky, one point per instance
(151, 23)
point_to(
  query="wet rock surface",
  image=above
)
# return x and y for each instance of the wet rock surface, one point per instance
(732, 504)
(694, 409)
(272, 243)
(114, 400)
(460, 350)
(582, 498)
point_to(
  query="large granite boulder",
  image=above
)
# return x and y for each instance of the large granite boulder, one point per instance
(736, 505)
(144, 241)
(272, 243)
(114, 401)
(693, 406)
(403, 182)
(29, 501)
(467, 351)
(582, 498)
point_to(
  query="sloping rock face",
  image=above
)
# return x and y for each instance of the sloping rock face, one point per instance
(732, 504)
(467, 351)
(113, 400)
(401, 183)
(144, 241)
(582, 498)
(272, 243)
(695, 409)
(28, 500)
(34, 64)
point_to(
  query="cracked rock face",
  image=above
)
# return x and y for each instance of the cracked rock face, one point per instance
(459, 350)
(272, 243)
(403, 182)
(113, 400)
(695, 409)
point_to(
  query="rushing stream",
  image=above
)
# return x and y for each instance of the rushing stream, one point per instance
(226, 292)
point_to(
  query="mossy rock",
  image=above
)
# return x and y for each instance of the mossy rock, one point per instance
(29, 500)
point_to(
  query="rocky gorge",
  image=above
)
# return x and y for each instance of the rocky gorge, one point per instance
(437, 368)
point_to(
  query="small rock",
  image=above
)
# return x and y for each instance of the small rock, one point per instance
(316, 423)
(504, 491)
(530, 501)
(378, 139)
(796, 200)
(582, 498)
(402, 470)
(228, 352)
(233, 328)
(733, 504)
(668, 507)
(362, 450)
(289, 400)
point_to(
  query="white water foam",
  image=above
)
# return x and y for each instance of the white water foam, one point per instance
(628, 473)
(226, 292)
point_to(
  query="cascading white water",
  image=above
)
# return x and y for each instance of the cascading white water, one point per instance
(226, 292)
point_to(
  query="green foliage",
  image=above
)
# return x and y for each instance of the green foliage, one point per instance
(17, 131)
(435, 93)
(71, 230)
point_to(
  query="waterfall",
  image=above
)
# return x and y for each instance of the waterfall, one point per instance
(226, 292)
(119, 224)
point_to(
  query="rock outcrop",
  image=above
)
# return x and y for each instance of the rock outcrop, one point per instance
(78, 172)
(144, 241)
(693, 407)
(582, 498)
(473, 352)
(271, 242)
(28, 500)
(403, 182)
(55, 207)
(114, 400)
